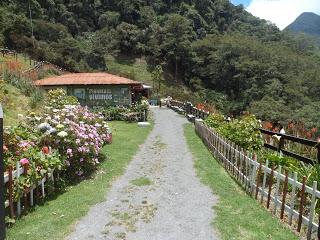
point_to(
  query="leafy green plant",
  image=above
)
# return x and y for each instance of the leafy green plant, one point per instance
(277, 159)
(122, 113)
(36, 98)
(243, 131)
(58, 99)
(215, 120)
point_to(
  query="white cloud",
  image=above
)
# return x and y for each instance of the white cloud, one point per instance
(282, 12)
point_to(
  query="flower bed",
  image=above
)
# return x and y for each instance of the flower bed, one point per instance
(134, 113)
(66, 140)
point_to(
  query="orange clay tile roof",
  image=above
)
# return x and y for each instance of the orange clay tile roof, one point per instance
(85, 79)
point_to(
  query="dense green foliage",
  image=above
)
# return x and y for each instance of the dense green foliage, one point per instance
(130, 114)
(243, 131)
(221, 52)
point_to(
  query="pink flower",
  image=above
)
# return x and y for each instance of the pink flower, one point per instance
(5, 148)
(24, 161)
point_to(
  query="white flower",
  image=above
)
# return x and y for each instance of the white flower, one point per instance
(52, 130)
(38, 118)
(55, 110)
(59, 126)
(62, 134)
(44, 126)
(282, 131)
(277, 137)
(20, 116)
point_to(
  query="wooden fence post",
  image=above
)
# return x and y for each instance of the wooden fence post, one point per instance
(285, 191)
(302, 202)
(10, 187)
(2, 200)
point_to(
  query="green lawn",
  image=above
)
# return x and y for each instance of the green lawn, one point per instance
(55, 219)
(238, 216)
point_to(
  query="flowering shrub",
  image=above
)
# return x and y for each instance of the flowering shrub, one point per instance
(120, 113)
(215, 120)
(68, 139)
(243, 131)
(58, 99)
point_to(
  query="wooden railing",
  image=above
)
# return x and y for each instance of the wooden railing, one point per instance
(30, 195)
(278, 191)
(192, 113)
(2, 207)
(281, 146)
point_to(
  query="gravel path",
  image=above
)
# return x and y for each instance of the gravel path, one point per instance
(159, 197)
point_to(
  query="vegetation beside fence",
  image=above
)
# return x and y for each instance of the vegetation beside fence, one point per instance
(280, 192)
(287, 185)
(46, 150)
(135, 113)
(237, 215)
(54, 219)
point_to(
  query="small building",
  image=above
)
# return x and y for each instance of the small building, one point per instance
(96, 89)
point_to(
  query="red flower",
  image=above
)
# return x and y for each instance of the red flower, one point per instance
(45, 150)
(290, 126)
(314, 130)
(268, 125)
(308, 134)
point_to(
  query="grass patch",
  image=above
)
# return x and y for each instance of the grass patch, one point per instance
(136, 69)
(54, 220)
(14, 103)
(238, 216)
(142, 181)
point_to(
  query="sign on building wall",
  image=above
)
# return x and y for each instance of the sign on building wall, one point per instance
(80, 93)
(100, 94)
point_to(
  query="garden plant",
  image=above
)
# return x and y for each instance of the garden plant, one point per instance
(65, 138)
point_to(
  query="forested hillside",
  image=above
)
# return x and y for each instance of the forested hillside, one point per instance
(221, 52)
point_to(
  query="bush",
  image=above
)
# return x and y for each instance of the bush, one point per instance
(244, 131)
(121, 113)
(68, 140)
(215, 120)
(36, 98)
(58, 99)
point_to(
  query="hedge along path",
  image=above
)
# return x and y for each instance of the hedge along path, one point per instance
(159, 196)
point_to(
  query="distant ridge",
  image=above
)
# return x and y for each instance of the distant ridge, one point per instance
(308, 23)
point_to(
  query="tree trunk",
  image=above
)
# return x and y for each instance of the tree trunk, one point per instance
(176, 74)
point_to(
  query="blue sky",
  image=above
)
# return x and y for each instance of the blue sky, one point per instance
(279, 12)
(244, 2)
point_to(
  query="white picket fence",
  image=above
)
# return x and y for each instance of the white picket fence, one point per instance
(15, 208)
(280, 192)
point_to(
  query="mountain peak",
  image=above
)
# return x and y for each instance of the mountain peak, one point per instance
(307, 22)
